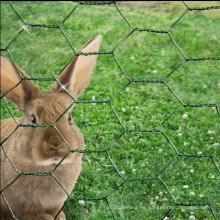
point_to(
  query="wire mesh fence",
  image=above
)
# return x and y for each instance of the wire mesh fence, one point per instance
(157, 175)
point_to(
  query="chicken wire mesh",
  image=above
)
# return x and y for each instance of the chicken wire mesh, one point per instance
(125, 130)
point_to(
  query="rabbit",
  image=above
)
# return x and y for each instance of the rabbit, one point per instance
(40, 149)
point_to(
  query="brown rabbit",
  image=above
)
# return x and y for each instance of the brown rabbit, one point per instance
(40, 149)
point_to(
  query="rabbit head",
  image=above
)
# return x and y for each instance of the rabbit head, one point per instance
(48, 145)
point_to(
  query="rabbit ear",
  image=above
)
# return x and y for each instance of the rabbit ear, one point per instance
(10, 78)
(76, 76)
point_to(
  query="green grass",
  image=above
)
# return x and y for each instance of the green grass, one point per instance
(140, 156)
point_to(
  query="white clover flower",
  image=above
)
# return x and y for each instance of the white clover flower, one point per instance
(199, 153)
(166, 218)
(134, 170)
(160, 193)
(132, 58)
(192, 170)
(81, 202)
(154, 71)
(212, 138)
(98, 169)
(160, 150)
(127, 89)
(185, 187)
(157, 197)
(164, 199)
(179, 128)
(172, 190)
(212, 177)
(192, 193)
(153, 185)
(192, 217)
(215, 144)
(210, 132)
(123, 172)
(185, 143)
(179, 134)
(185, 116)
(136, 107)
(218, 85)
(132, 107)
(93, 98)
(123, 109)
(205, 86)
(201, 195)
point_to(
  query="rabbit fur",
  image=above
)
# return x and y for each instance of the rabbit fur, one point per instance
(40, 149)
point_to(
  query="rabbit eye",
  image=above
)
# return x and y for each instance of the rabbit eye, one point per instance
(69, 119)
(33, 119)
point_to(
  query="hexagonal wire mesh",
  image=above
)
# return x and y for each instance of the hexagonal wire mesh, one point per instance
(140, 131)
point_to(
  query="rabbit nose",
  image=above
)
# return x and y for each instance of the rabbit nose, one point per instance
(55, 147)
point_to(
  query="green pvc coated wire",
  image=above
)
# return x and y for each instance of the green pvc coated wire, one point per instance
(106, 151)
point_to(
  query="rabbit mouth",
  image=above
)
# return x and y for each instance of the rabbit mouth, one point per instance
(55, 161)
(57, 154)
(53, 155)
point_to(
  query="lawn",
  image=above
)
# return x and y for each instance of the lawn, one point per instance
(151, 113)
